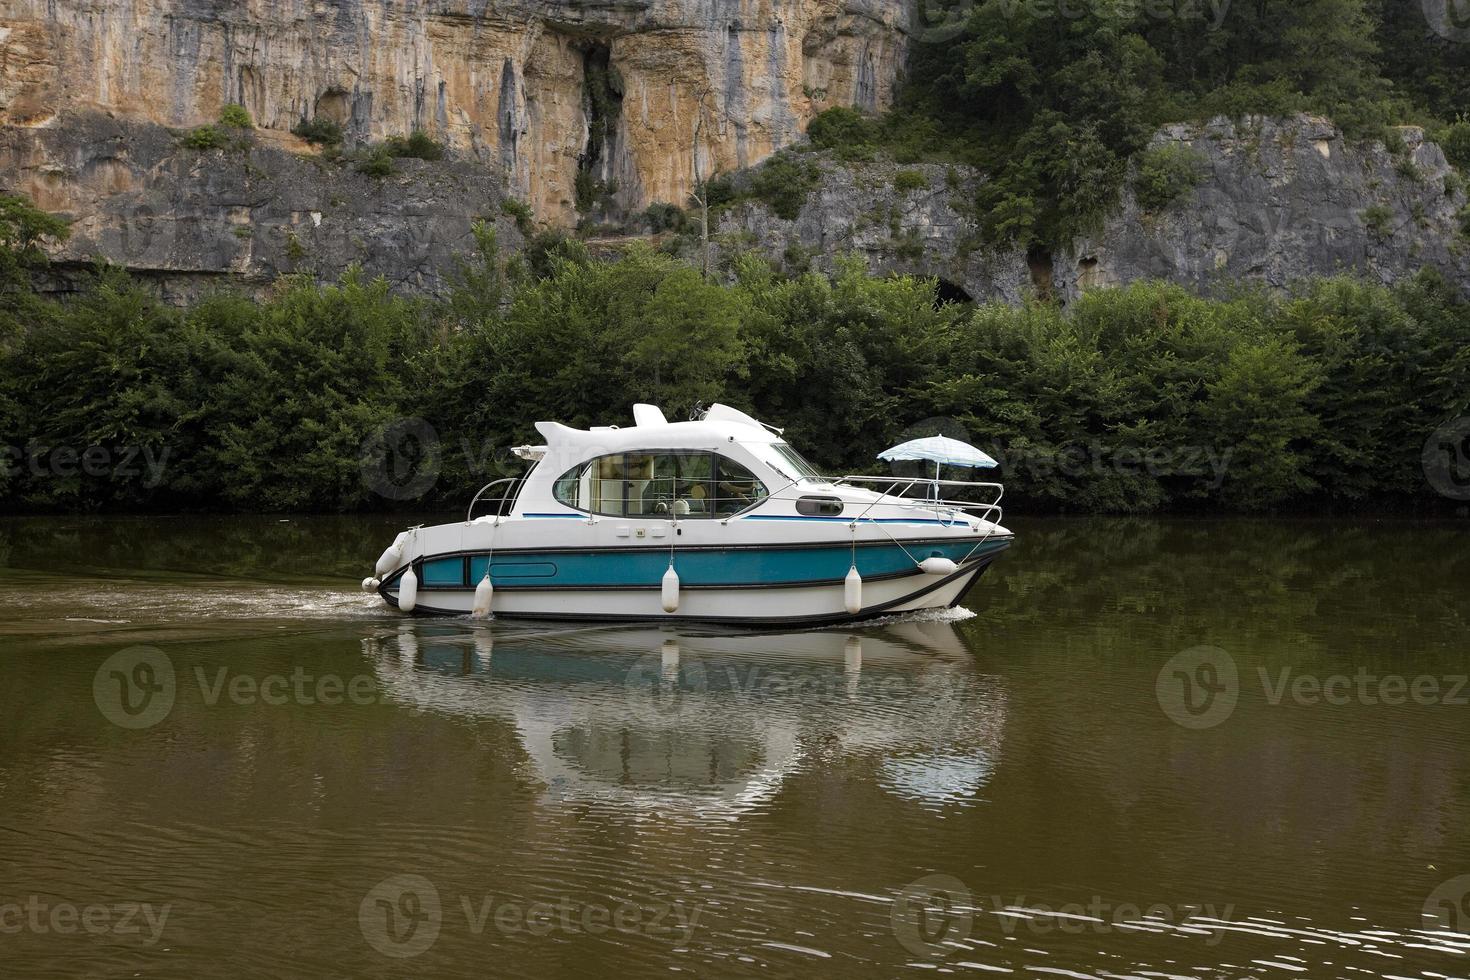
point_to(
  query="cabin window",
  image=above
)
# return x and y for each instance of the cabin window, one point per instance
(683, 485)
(795, 461)
(819, 506)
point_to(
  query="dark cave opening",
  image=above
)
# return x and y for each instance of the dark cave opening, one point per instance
(602, 104)
(1039, 260)
(949, 292)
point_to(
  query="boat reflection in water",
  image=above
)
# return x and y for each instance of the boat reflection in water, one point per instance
(706, 723)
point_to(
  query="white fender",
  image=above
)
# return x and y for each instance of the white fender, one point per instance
(392, 556)
(370, 584)
(484, 592)
(408, 591)
(852, 591)
(670, 594)
(938, 566)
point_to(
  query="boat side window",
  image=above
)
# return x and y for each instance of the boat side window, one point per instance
(687, 484)
(819, 506)
(736, 487)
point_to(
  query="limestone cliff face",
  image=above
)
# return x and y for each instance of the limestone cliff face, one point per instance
(188, 220)
(1278, 201)
(502, 82)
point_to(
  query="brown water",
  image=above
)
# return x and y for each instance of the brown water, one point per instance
(219, 759)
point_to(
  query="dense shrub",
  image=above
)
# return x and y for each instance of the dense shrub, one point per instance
(236, 117)
(1377, 218)
(907, 181)
(1164, 174)
(319, 130)
(376, 161)
(520, 212)
(418, 145)
(1455, 141)
(846, 131)
(206, 138)
(784, 182)
(661, 216)
(1130, 400)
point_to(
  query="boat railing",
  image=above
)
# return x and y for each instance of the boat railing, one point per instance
(898, 492)
(895, 492)
(507, 496)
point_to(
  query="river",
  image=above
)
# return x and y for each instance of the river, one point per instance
(1144, 748)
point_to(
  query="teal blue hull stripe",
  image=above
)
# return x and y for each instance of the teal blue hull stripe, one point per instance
(709, 568)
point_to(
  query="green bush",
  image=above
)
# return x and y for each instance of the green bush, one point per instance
(319, 130)
(1164, 174)
(1376, 219)
(719, 190)
(846, 131)
(784, 182)
(417, 145)
(662, 216)
(206, 138)
(520, 211)
(376, 162)
(1129, 400)
(235, 117)
(907, 181)
(1455, 141)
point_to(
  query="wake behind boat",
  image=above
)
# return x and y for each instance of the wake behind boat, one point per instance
(713, 520)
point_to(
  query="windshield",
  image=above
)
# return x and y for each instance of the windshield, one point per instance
(794, 462)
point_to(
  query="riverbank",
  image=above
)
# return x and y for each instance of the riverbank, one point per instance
(1336, 394)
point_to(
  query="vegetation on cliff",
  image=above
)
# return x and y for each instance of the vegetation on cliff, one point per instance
(1053, 98)
(1130, 400)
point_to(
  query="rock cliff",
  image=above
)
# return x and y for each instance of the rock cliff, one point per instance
(621, 93)
(600, 109)
(1277, 201)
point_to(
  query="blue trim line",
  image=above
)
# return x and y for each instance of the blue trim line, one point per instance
(553, 515)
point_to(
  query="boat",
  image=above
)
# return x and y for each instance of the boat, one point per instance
(717, 519)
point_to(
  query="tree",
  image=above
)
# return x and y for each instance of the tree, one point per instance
(700, 194)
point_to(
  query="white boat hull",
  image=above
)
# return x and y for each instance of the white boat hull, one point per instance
(818, 604)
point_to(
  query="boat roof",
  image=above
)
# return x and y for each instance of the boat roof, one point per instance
(651, 430)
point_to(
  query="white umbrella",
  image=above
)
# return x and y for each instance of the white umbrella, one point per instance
(939, 449)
